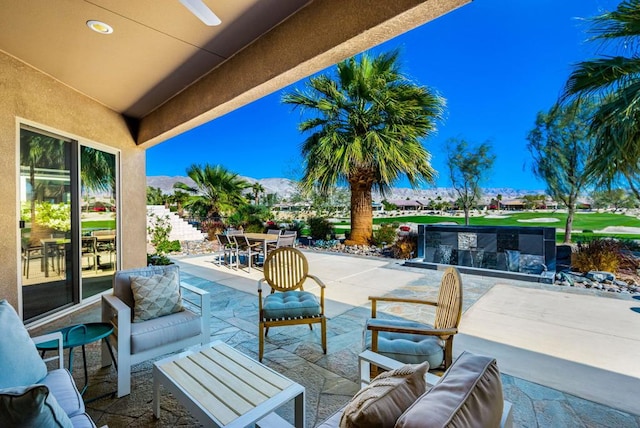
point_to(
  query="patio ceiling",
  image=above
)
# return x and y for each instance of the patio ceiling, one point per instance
(166, 71)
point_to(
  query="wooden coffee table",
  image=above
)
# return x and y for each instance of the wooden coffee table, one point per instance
(221, 386)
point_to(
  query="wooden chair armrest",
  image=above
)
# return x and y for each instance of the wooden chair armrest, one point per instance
(376, 299)
(402, 300)
(414, 330)
(316, 279)
(260, 281)
(57, 336)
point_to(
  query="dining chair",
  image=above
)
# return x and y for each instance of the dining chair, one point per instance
(274, 232)
(90, 250)
(413, 342)
(283, 241)
(246, 248)
(224, 248)
(285, 271)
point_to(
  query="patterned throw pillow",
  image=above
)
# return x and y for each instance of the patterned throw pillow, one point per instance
(155, 296)
(384, 400)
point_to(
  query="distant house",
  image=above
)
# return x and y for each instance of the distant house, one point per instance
(512, 205)
(408, 205)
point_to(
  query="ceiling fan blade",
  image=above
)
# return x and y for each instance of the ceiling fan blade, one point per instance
(202, 11)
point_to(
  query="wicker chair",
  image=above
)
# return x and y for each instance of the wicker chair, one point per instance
(412, 342)
(285, 271)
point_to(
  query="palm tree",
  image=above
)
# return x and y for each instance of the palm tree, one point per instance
(614, 82)
(257, 190)
(366, 123)
(216, 191)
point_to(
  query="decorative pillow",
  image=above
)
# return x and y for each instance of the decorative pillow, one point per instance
(20, 363)
(382, 402)
(31, 406)
(155, 296)
(468, 395)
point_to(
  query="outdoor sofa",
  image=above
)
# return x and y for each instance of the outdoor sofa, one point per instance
(30, 394)
(468, 395)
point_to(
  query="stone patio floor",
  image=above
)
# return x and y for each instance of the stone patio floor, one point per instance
(330, 380)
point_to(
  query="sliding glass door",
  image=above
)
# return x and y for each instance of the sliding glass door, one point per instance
(68, 225)
(98, 249)
(45, 222)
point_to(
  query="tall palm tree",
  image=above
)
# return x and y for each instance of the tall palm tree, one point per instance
(614, 82)
(365, 124)
(217, 190)
(257, 190)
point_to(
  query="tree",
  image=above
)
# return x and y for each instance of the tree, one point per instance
(613, 198)
(614, 83)
(468, 166)
(217, 191)
(155, 196)
(365, 124)
(561, 147)
(257, 190)
(179, 198)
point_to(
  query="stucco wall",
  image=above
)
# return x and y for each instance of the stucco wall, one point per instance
(28, 94)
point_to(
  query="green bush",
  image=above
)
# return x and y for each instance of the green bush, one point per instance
(319, 227)
(386, 234)
(165, 247)
(158, 260)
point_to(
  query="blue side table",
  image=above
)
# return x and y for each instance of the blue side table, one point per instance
(81, 335)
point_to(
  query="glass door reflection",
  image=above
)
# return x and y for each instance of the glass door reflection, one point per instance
(98, 258)
(45, 222)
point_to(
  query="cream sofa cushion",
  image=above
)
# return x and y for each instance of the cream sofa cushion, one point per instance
(385, 398)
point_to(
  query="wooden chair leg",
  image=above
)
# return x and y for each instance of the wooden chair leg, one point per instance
(323, 328)
(261, 334)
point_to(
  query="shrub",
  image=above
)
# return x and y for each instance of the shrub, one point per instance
(212, 227)
(158, 260)
(597, 254)
(168, 247)
(296, 226)
(319, 227)
(386, 234)
(406, 246)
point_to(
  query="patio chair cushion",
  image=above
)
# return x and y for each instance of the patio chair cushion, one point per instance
(163, 330)
(20, 362)
(63, 387)
(468, 395)
(290, 304)
(382, 402)
(407, 348)
(155, 296)
(31, 406)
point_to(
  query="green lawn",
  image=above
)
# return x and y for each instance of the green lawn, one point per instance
(590, 221)
(581, 221)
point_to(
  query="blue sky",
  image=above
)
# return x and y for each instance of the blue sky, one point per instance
(496, 62)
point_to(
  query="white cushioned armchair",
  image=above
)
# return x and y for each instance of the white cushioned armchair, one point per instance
(137, 341)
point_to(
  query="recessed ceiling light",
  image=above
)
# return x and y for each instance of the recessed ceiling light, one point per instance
(100, 27)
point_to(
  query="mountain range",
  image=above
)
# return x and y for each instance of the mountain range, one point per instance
(284, 188)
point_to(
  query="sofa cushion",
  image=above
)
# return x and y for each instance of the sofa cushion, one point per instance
(155, 296)
(381, 402)
(290, 304)
(173, 328)
(31, 406)
(469, 394)
(82, 421)
(62, 385)
(20, 362)
(403, 347)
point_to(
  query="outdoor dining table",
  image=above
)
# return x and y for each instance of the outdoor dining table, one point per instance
(265, 238)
